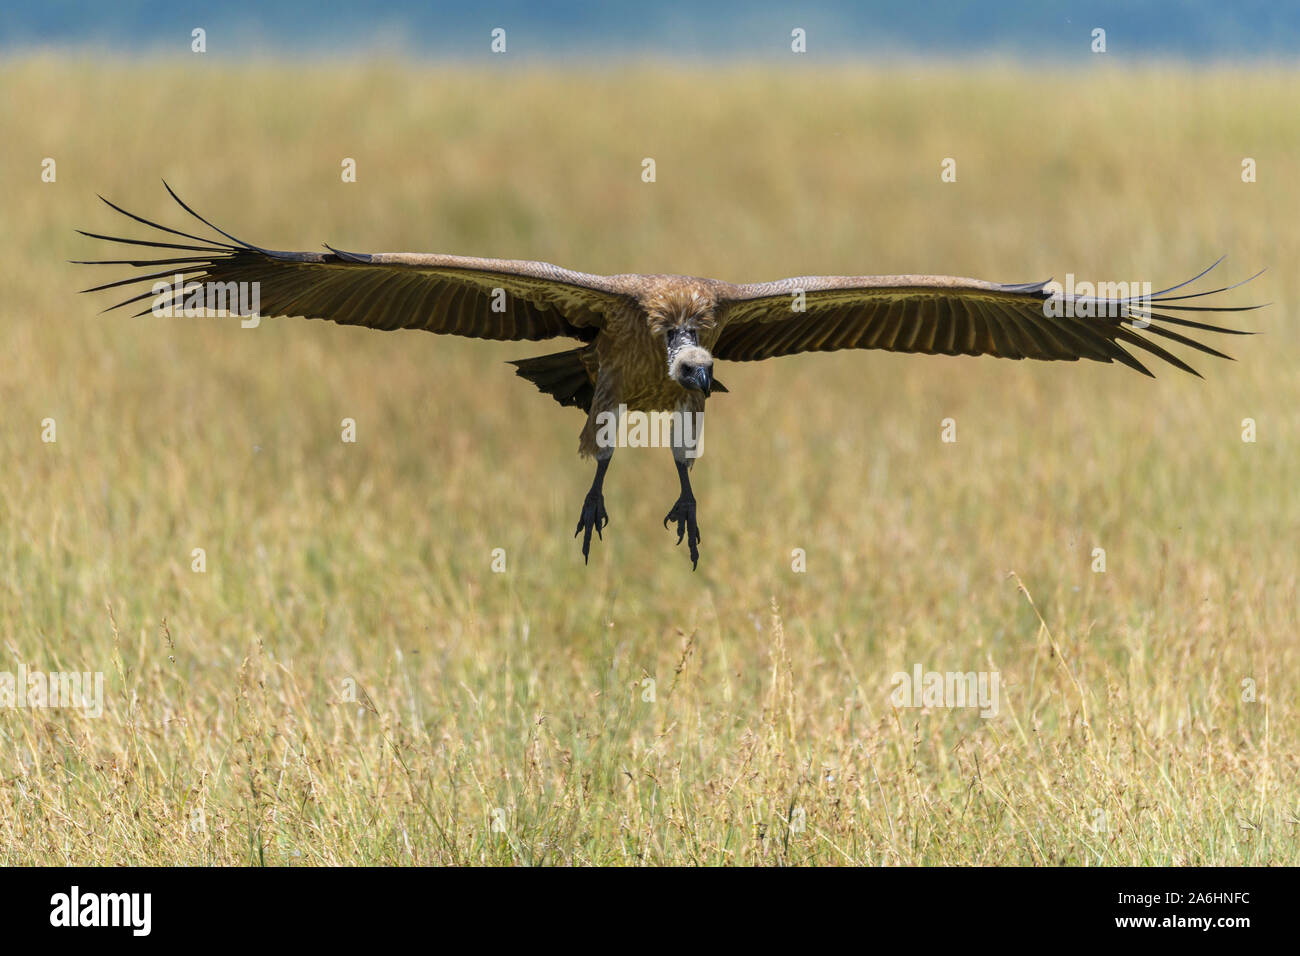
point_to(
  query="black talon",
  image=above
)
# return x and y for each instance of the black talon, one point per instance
(594, 516)
(684, 514)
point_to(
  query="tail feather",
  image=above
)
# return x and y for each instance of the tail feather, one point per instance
(561, 375)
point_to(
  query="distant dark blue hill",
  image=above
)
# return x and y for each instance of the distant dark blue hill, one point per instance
(842, 29)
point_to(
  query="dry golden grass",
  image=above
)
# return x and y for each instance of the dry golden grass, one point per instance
(1123, 736)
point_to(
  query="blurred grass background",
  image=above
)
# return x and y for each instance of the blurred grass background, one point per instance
(501, 716)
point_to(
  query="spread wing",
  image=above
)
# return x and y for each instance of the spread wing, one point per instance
(947, 315)
(458, 295)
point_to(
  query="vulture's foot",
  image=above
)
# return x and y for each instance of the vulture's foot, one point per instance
(684, 514)
(593, 518)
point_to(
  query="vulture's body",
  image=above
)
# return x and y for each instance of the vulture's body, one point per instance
(648, 342)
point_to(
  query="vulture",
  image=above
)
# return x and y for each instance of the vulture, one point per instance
(647, 344)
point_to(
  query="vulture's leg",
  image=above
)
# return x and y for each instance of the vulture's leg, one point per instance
(686, 438)
(596, 441)
(684, 514)
(593, 508)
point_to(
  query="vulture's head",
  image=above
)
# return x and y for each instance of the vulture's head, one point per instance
(682, 319)
(689, 364)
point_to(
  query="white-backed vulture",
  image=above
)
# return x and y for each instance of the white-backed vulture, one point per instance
(648, 343)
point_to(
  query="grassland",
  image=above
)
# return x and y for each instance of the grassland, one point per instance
(500, 717)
